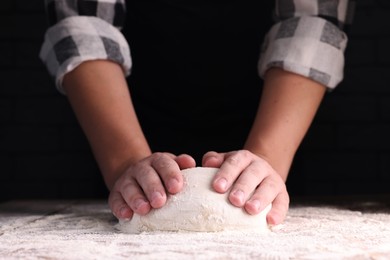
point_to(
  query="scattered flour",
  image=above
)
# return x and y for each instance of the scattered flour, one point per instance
(87, 231)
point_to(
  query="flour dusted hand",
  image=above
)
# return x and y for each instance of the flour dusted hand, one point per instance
(252, 183)
(146, 184)
(197, 208)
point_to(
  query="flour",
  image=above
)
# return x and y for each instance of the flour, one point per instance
(197, 208)
(86, 231)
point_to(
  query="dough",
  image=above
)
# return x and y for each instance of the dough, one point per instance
(197, 208)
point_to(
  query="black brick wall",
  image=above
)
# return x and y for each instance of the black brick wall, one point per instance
(44, 154)
(347, 149)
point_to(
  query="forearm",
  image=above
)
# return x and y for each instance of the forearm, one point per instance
(99, 96)
(287, 108)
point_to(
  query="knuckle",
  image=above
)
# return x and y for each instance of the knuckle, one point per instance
(254, 173)
(143, 173)
(162, 161)
(128, 188)
(241, 186)
(157, 154)
(210, 153)
(271, 185)
(245, 153)
(233, 160)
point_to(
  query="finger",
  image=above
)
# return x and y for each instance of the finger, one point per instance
(118, 206)
(185, 161)
(134, 197)
(150, 183)
(246, 184)
(212, 159)
(267, 191)
(279, 209)
(231, 168)
(169, 172)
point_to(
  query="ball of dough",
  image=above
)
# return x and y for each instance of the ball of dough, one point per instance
(197, 208)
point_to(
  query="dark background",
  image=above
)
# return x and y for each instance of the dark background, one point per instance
(44, 154)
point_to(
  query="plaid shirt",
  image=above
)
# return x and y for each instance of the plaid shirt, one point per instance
(307, 37)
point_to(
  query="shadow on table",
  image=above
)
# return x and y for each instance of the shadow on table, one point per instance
(365, 204)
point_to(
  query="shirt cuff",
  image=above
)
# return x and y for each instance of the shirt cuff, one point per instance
(308, 46)
(81, 38)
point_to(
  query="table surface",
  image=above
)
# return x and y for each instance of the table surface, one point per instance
(349, 229)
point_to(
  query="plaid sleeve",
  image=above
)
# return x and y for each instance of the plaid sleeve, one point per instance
(83, 30)
(308, 39)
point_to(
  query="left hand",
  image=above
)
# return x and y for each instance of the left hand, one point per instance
(254, 183)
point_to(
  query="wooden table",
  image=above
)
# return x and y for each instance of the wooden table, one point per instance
(86, 230)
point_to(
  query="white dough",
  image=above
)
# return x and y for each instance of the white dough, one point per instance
(197, 208)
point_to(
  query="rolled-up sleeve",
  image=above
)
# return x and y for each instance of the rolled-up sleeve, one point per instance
(82, 30)
(308, 39)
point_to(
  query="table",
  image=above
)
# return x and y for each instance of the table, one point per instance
(353, 229)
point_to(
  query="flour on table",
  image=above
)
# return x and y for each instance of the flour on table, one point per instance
(197, 208)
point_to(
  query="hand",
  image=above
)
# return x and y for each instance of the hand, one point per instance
(143, 185)
(254, 183)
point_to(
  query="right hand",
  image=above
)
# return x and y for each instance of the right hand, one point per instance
(144, 185)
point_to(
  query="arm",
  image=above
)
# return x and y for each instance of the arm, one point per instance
(302, 55)
(288, 105)
(89, 58)
(98, 93)
(287, 108)
(99, 96)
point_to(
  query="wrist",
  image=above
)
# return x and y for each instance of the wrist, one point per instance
(112, 169)
(280, 158)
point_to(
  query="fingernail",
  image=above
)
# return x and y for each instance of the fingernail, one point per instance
(156, 195)
(255, 204)
(123, 212)
(222, 183)
(172, 185)
(139, 203)
(239, 194)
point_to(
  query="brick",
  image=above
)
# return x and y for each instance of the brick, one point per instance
(385, 108)
(7, 167)
(28, 138)
(346, 108)
(360, 51)
(368, 187)
(367, 137)
(365, 80)
(365, 4)
(30, 6)
(383, 52)
(338, 166)
(50, 110)
(6, 6)
(22, 26)
(83, 190)
(320, 137)
(296, 178)
(33, 83)
(73, 139)
(323, 188)
(6, 110)
(385, 167)
(7, 54)
(27, 55)
(366, 19)
(60, 167)
(12, 190)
